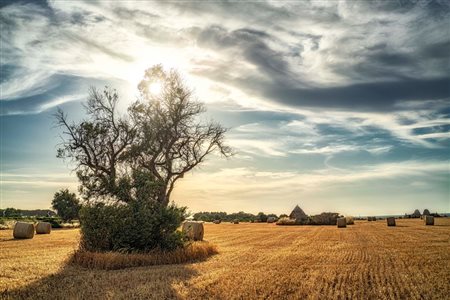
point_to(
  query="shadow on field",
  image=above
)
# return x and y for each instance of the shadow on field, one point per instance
(73, 282)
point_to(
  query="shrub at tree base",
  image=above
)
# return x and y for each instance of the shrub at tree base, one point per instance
(196, 251)
(134, 227)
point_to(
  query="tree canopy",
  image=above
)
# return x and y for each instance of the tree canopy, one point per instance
(139, 155)
(66, 205)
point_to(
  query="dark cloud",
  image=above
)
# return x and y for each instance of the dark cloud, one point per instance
(252, 45)
(391, 59)
(132, 14)
(439, 50)
(365, 96)
(59, 87)
(380, 73)
(42, 3)
(6, 71)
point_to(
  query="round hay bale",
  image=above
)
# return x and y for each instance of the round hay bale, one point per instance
(429, 220)
(23, 230)
(217, 221)
(193, 230)
(235, 221)
(271, 219)
(341, 223)
(43, 228)
(390, 221)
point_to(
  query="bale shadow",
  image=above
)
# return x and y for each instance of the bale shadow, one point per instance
(74, 282)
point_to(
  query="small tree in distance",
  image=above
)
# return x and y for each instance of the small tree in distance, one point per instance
(66, 205)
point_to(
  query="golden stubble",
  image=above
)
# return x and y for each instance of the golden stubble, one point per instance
(367, 260)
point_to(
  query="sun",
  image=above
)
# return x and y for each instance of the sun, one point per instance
(155, 88)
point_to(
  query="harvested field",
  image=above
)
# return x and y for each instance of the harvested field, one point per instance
(366, 261)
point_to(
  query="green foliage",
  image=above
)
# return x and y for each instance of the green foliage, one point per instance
(55, 222)
(66, 204)
(138, 226)
(261, 217)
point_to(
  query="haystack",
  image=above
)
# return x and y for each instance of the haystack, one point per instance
(341, 223)
(349, 220)
(23, 230)
(235, 221)
(429, 220)
(271, 219)
(43, 228)
(193, 230)
(217, 221)
(390, 221)
(298, 214)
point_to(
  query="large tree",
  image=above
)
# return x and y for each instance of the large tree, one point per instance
(141, 154)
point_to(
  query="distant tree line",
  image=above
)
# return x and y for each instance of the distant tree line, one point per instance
(17, 213)
(241, 216)
(417, 214)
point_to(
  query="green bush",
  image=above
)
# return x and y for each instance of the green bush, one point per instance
(55, 222)
(134, 227)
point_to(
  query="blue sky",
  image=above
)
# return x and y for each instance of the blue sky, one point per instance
(336, 106)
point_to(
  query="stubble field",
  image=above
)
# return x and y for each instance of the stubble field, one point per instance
(256, 261)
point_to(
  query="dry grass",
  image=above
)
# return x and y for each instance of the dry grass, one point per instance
(286, 221)
(195, 251)
(256, 261)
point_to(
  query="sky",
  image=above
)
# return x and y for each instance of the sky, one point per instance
(332, 105)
